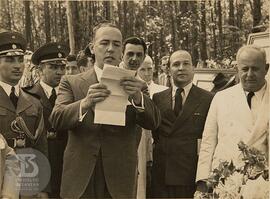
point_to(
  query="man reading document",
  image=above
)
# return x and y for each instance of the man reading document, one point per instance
(100, 160)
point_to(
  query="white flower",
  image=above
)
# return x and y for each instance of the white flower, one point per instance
(256, 189)
(231, 188)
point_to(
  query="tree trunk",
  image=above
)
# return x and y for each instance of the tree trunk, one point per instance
(203, 49)
(220, 31)
(194, 30)
(125, 27)
(231, 13)
(70, 28)
(47, 21)
(28, 28)
(213, 32)
(257, 15)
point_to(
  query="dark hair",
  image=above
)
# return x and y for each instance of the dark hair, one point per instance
(71, 58)
(101, 25)
(135, 41)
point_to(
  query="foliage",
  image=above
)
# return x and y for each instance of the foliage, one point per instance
(233, 182)
(165, 25)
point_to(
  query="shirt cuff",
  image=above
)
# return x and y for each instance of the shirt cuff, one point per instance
(81, 116)
(140, 107)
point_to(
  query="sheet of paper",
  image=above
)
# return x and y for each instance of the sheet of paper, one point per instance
(112, 111)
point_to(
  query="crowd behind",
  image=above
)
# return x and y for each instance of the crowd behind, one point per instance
(175, 133)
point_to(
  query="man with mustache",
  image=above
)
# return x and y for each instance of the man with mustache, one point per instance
(16, 103)
(51, 61)
(239, 113)
(100, 161)
(183, 109)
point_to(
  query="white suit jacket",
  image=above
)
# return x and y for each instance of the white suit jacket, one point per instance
(229, 121)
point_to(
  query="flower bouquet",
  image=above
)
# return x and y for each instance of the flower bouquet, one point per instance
(247, 181)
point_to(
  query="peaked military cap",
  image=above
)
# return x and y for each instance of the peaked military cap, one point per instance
(12, 44)
(50, 52)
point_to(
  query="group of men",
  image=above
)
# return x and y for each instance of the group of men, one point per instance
(174, 135)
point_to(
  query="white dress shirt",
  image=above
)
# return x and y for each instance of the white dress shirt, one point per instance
(256, 102)
(48, 89)
(7, 88)
(184, 93)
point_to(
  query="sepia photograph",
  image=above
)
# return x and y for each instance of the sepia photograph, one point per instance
(134, 99)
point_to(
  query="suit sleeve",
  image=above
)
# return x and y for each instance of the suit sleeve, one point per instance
(150, 118)
(65, 114)
(209, 142)
(10, 188)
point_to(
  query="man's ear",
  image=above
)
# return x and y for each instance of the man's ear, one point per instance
(91, 47)
(267, 67)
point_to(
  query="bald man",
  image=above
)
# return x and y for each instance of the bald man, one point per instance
(145, 73)
(238, 113)
(183, 108)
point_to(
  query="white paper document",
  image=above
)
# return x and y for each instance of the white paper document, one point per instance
(112, 110)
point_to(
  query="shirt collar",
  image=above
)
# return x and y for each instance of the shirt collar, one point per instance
(260, 93)
(186, 89)
(48, 89)
(98, 72)
(7, 88)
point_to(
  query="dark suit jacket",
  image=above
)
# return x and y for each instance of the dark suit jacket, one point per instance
(175, 153)
(56, 146)
(118, 144)
(30, 109)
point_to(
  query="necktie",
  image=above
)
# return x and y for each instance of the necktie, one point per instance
(178, 101)
(145, 90)
(168, 83)
(249, 97)
(13, 97)
(53, 97)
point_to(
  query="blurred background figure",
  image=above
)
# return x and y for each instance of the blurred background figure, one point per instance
(222, 82)
(164, 76)
(85, 60)
(72, 66)
(145, 151)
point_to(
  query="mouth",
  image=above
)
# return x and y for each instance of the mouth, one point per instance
(17, 73)
(109, 58)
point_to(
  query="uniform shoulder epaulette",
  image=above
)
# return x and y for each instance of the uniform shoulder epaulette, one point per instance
(31, 91)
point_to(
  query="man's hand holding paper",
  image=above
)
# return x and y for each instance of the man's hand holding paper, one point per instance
(96, 93)
(132, 87)
(112, 111)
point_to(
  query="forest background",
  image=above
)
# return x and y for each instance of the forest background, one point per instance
(212, 30)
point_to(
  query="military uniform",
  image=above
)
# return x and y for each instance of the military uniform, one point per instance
(21, 114)
(52, 53)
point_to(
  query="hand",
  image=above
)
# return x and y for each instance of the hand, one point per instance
(96, 93)
(132, 87)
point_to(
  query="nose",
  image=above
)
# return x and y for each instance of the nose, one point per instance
(61, 71)
(134, 57)
(110, 47)
(250, 72)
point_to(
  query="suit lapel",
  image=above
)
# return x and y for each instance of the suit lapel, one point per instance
(23, 102)
(43, 98)
(191, 103)
(88, 78)
(5, 101)
(239, 102)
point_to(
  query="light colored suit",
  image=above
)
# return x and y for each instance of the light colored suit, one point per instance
(145, 149)
(9, 171)
(229, 121)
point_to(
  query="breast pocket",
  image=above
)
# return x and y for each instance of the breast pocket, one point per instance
(31, 117)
